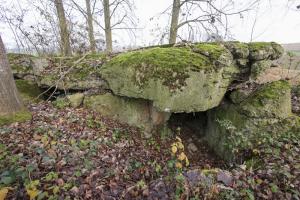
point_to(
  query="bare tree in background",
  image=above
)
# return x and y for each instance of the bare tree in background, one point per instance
(13, 16)
(108, 33)
(118, 15)
(209, 15)
(34, 26)
(90, 25)
(64, 32)
(174, 22)
(9, 98)
(88, 15)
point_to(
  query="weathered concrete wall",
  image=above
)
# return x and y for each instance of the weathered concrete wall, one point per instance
(249, 118)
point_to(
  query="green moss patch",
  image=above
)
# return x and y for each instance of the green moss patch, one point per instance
(212, 50)
(170, 65)
(16, 117)
(29, 91)
(270, 91)
(176, 79)
(254, 46)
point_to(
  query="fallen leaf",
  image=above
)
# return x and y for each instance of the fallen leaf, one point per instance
(174, 149)
(178, 165)
(3, 193)
(32, 193)
(182, 156)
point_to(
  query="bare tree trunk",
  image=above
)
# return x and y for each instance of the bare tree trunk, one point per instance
(174, 21)
(90, 26)
(108, 34)
(64, 33)
(9, 98)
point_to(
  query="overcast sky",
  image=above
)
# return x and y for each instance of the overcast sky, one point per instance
(276, 21)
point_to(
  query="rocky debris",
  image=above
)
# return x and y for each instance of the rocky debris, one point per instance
(159, 190)
(75, 100)
(72, 100)
(225, 177)
(192, 147)
(196, 177)
(196, 182)
(296, 99)
(296, 104)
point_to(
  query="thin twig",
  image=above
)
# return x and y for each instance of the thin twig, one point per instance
(61, 78)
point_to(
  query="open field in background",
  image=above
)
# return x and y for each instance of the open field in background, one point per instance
(296, 52)
(278, 73)
(292, 47)
(291, 59)
(287, 67)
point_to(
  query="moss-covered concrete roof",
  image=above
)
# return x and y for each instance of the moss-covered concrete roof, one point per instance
(169, 64)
